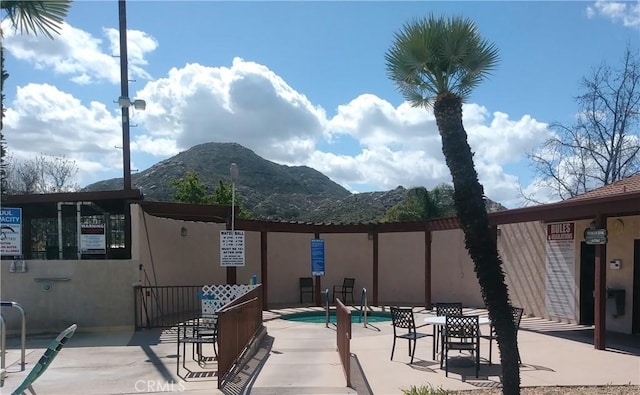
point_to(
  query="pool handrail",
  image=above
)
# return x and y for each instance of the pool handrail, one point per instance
(363, 307)
(23, 334)
(326, 298)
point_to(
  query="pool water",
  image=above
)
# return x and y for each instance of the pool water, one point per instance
(319, 317)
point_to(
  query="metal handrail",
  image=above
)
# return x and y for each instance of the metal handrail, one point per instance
(363, 307)
(3, 346)
(326, 298)
(23, 337)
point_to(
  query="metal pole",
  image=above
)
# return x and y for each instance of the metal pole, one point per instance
(124, 92)
(233, 169)
(233, 206)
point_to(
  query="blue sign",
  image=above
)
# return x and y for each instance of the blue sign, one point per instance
(317, 257)
(11, 231)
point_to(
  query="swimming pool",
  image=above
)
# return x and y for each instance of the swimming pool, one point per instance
(319, 317)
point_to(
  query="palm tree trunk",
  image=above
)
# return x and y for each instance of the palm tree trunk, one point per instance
(479, 240)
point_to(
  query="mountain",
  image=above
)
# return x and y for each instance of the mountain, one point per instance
(268, 190)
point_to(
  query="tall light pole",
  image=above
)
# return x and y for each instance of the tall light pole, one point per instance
(124, 94)
(234, 177)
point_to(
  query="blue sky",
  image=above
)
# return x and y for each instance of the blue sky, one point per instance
(302, 83)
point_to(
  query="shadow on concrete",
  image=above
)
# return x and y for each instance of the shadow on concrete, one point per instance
(358, 379)
(615, 342)
(243, 380)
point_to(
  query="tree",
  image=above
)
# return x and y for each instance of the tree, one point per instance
(603, 144)
(29, 17)
(421, 204)
(191, 190)
(42, 174)
(435, 63)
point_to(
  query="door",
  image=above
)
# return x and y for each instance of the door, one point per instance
(587, 283)
(635, 318)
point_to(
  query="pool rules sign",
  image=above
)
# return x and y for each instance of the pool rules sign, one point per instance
(231, 248)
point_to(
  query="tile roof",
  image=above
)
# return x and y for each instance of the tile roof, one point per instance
(626, 185)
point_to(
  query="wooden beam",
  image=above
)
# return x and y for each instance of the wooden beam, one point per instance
(600, 316)
(375, 269)
(318, 283)
(264, 269)
(427, 270)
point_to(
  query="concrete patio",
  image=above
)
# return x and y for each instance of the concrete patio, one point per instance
(301, 358)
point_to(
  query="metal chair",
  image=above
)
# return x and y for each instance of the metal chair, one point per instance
(306, 287)
(516, 313)
(462, 333)
(443, 309)
(345, 289)
(402, 318)
(196, 333)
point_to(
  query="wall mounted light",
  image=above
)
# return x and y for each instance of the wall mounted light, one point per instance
(184, 232)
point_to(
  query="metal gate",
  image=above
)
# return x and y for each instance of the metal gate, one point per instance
(165, 306)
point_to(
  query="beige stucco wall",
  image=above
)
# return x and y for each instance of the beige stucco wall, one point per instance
(348, 255)
(522, 248)
(401, 268)
(169, 258)
(289, 256)
(97, 296)
(454, 279)
(620, 241)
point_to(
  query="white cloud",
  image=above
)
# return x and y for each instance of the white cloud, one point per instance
(43, 119)
(628, 13)
(368, 143)
(79, 54)
(246, 103)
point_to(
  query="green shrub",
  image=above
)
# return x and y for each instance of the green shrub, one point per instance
(425, 390)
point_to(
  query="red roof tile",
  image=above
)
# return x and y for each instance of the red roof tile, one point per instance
(626, 185)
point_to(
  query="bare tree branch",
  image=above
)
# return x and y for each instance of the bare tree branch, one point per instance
(603, 145)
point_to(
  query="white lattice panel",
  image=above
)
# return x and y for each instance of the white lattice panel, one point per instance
(221, 295)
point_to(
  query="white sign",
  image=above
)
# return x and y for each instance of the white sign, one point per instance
(11, 232)
(92, 239)
(232, 248)
(560, 299)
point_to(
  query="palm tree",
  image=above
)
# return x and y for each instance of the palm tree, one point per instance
(436, 62)
(419, 205)
(29, 17)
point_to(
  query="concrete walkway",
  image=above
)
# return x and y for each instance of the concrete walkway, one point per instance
(301, 358)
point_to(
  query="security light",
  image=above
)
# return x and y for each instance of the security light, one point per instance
(138, 104)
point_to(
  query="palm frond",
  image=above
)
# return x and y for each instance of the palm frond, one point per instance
(37, 16)
(439, 55)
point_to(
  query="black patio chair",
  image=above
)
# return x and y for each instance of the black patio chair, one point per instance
(443, 309)
(306, 287)
(195, 332)
(462, 333)
(402, 318)
(345, 289)
(516, 313)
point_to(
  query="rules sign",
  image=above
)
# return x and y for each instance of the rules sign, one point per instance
(231, 248)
